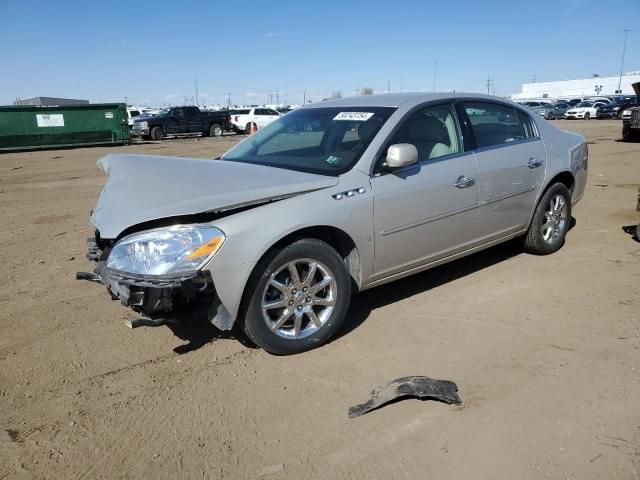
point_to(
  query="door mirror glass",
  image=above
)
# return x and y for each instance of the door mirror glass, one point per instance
(401, 154)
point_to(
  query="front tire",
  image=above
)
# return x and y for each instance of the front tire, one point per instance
(297, 298)
(587, 116)
(550, 222)
(157, 133)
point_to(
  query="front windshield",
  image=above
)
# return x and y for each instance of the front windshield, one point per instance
(584, 104)
(325, 140)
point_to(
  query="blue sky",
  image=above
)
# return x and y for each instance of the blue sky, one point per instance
(150, 52)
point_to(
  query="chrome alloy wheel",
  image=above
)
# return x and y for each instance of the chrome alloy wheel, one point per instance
(299, 298)
(555, 219)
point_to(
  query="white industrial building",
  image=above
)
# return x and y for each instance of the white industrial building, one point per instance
(579, 88)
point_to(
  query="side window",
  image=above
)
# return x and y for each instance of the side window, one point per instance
(178, 113)
(494, 124)
(272, 112)
(433, 131)
(527, 124)
(260, 111)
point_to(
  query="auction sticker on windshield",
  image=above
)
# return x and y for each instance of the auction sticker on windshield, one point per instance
(358, 116)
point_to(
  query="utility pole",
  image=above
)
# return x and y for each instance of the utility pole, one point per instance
(229, 100)
(277, 97)
(195, 81)
(304, 97)
(435, 71)
(357, 91)
(388, 86)
(624, 49)
(488, 85)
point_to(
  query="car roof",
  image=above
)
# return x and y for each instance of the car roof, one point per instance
(397, 99)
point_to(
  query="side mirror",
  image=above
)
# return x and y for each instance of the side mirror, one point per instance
(401, 155)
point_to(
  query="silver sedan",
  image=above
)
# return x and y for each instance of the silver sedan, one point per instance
(333, 198)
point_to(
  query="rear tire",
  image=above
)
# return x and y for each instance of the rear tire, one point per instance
(284, 315)
(587, 116)
(216, 130)
(247, 128)
(157, 133)
(550, 222)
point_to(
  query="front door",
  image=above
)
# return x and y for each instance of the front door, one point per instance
(511, 163)
(428, 210)
(175, 121)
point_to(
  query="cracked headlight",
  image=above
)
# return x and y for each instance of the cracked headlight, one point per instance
(171, 251)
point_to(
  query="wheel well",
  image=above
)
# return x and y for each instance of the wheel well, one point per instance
(338, 239)
(565, 178)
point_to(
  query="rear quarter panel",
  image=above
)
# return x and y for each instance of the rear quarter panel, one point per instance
(566, 152)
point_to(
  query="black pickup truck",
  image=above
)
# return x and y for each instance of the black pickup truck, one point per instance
(631, 125)
(182, 121)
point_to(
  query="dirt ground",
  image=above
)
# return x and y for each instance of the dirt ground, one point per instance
(545, 351)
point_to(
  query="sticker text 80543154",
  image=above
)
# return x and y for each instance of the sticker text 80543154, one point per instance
(351, 116)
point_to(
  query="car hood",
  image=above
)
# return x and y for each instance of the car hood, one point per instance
(142, 188)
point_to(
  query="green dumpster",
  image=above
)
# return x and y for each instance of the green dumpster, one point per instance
(30, 127)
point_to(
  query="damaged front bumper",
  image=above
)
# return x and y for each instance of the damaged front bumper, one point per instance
(180, 298)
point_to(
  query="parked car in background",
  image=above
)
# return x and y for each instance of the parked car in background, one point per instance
(631, 122)
(599, 99)
(260, 117)
(551, 112)
(584, 110)
(615, 108)
(132, 113)
(182, 121)
(610, 110)
(278, 232)
(532, 104)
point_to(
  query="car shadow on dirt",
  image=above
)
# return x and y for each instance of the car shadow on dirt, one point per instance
(365, 302)
(198, 332)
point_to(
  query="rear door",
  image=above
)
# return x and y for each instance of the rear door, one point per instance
(261, 117)
(511, 163)
(193, 121)
(428, 210)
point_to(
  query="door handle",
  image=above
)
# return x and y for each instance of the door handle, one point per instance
(465, 182)
(534, 162)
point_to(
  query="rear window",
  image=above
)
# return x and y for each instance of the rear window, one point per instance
(494, 124)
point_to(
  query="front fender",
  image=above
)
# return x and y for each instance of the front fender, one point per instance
(251, 233)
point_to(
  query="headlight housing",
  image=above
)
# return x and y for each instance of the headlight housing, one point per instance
(169, 252)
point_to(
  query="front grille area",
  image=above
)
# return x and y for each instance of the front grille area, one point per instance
(635, 116)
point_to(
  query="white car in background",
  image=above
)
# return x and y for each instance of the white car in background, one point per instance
(242, 118)
(584, 110)
(132, 112)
